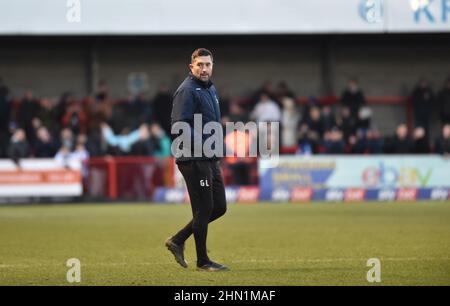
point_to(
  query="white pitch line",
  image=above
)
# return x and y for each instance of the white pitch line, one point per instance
(337, 260)
(295, 260)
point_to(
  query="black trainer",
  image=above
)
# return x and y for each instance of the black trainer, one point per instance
(213, 267)
(177, 251)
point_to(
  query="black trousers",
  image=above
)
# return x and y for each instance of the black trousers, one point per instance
(207, 194)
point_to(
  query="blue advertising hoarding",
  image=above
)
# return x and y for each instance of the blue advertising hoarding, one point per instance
(381, 177)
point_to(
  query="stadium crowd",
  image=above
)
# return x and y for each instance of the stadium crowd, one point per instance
(97, 125)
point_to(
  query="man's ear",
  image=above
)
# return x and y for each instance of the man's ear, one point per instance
(190, 66)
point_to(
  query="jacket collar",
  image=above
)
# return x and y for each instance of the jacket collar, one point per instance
(200, 82)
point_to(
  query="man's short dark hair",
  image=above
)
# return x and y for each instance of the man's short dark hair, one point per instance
(201, 52)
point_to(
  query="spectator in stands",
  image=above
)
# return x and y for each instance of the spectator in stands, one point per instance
(364, 118)
(47, 114)
(125, 114)
(353, 97)
(29, 108)
(136, 140)
(18, 147)
(420, 141)
(67, 139)
(160, 140)
(283, 91)
(328, 118)
(162, 107)
(423, 100)
(61, 107)
(442, 145)
(289, 122)
(90, 107)
(334, 141)
(5, 112)
(312, 102)
(358, 135)
(103, 110)
(358, 142)
(444, 102)
(268, 90)
(266, 110)
(102, 93)
(144, 146)
(81, 153)
(63, 155)
(314, 122)
(44, 146)
(237, 113)
(36, 123)
(75, 119)
(122, 143)
(307, 141)
(375, 141)
(93, 110)
(347, 123)
(400, 143)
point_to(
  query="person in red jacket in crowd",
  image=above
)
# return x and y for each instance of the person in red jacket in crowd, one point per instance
(75, 118)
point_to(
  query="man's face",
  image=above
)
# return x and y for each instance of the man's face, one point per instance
(201, 68)
(402, 131)
(353, 86)
(446, 131)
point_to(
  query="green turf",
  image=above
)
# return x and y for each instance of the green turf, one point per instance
(264, 244)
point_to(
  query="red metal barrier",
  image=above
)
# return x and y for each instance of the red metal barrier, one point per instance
(135, 178)
(128, 177)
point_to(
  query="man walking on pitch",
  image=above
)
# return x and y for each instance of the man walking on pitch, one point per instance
(197, 95)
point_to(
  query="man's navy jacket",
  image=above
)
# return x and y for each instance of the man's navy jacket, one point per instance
(196, 97)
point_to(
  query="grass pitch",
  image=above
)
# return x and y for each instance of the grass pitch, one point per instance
(264, 244)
